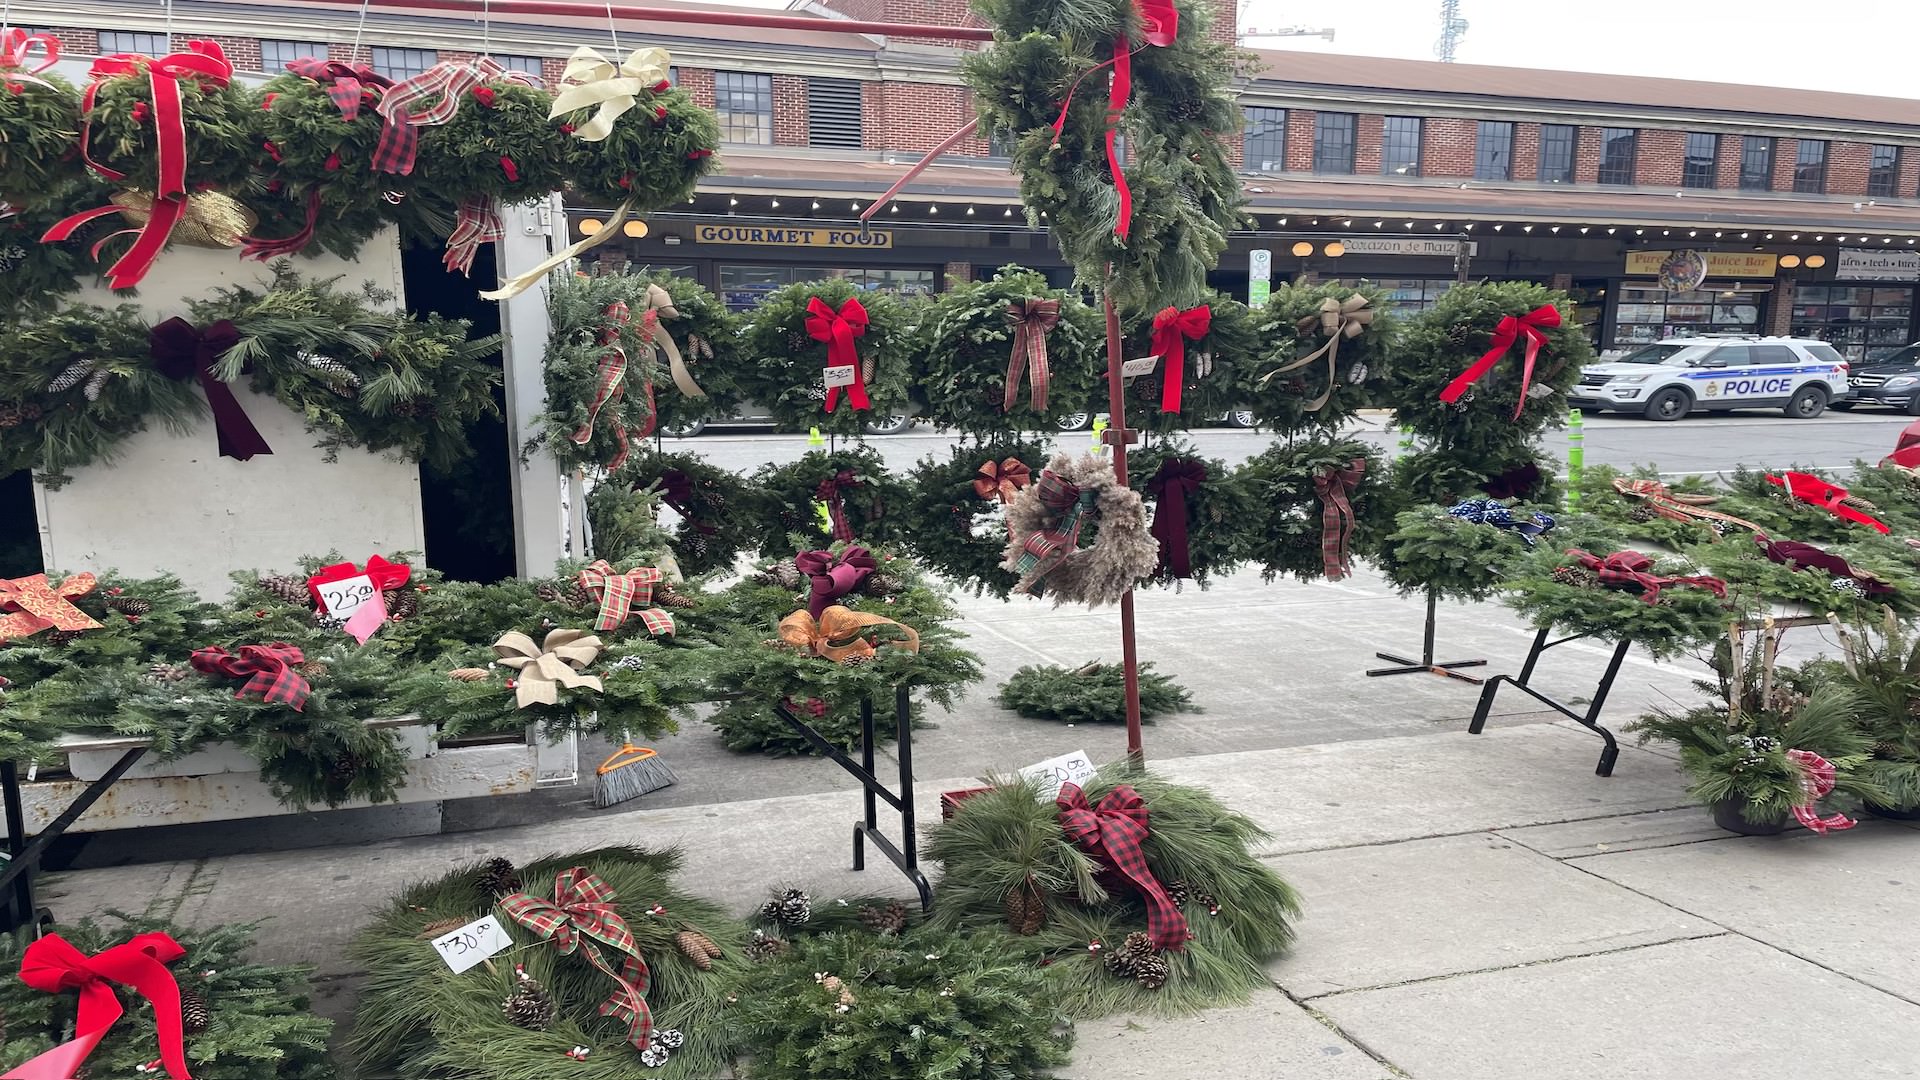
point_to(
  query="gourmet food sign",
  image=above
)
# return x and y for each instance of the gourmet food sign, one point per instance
(793, 236)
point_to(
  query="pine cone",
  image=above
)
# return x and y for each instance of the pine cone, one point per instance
(668, 598)
(286, 587)
(1459, 334)
(1026, 909)
(856, 659)
(1120, 965)
(195, 1017)
(343, 771)
(882, 585)
(342, 379)
(469, 674)
(548, 592)
(1859, 503)
(63, 637)
(1186, 110)
(1152, 971)
(325, 621)
(765, 947)
(1206, 900)
(15, 415)
(71, 377)
(497, 879)
(97, 383)
(1642, 512)
(789, 907)
(440, 926)
(529, 1006)
(695, 545)
(578, 595)
(130, 605)
(169, 672)
(786, 575)
(888, 919)
(1179, 892)
(697, 947)
(312, 670)
(1577, 576)
(402, 603)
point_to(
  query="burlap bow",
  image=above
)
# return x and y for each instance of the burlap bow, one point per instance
(547, 667)
(1335, 488)
(660, 307)
(1000, 479)
(52, 965)
(1829, 497)
(833, 576)
(268, 669)
(591, 81)
(580, 918)
(1678, 506)
(1176, 479)
(1115, 833)
(835, 635)
(1630, 568)
(1505, 334)
(182, 351)
(1031, 321)
(1817, 779)
(32, 604)
(1488, 512)
(622, 595)
(1338, 320)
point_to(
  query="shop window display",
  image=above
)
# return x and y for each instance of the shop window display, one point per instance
(743, 287)
(1864, 322)
(1648, 313)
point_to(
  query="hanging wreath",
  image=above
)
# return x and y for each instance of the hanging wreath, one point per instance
(798, 331)
(700, 330)
(1046, 523)
(652, 154)
(829, 495)
(1201, 509)
(498, 148)
(1008, 355)
(1218, 341)
(1301, 532)
(601, 371)
(1325, 349)
(39, 121)
(956, 515)
(715, 507)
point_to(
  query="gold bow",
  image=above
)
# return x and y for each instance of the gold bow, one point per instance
(1338, 320)
(842, 625)
(592, 82)
(212, 220)
(546, 667)
(659, 305)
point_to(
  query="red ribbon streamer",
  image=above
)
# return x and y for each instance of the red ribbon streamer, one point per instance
(1811, 489)
(1031, 320)
(1510, 330)
(54, 966)
(1817, 779)
(1794, 555)
(180, 351)
(838, 329)
(1176, 479)
(1171, 330)
(1335, 488)
(1633, 568)
(833, 576)
(829, 493)
(1160, 26)
(1114, 832)
(14, 46)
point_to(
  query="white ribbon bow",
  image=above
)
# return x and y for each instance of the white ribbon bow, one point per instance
(591, 80)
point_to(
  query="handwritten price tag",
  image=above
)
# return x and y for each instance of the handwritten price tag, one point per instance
(342, 598)
(472, 943)
(839, 376)
(1143, 365)
(1075, 768)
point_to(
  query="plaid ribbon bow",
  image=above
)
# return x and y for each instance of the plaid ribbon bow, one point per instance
(1678, 506)
(347, 85)
(1031, 321)
(52, 965)
(32, 605)
(1045, 549)
(268, 670)
(1114, 832)
(1338, 320)
(443, 85)
(1001, 479)
(1817, 777)
(1632, 568)
(833, 576)
(1509, 330)
(829, 492)
(1176, 479)
(1829, 497)
(621, 595)
(838, 329)
(1172, 328)
(580, 918)
(1488, 512)
(610, 386)
(1335, 487)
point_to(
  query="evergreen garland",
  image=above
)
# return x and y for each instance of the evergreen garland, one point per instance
(262, 1028)
(658, 151)
(781, 365)
(1218, 379)
(499, 145)
(717, 520)
(122, 136)
(1219, 513)
(964, 344)
(952, 529)
(1093, 694)
(39, 121)
(787, 500)
(1744, 566)
(1286, 533)
(1279, 402)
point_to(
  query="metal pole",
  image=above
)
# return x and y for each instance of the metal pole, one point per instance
(1117, 436)
(669, 16)
(1462, 262)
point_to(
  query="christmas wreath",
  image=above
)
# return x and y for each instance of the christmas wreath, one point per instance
(1638, 519)
(1045, 523)
(956, 516)
(1008, 355)
(39, 120)
(652, 154)
(799, 331)
(1550, 587)
(1215, 345)
(1433, 474)
(1318, 509)
(1469, 550)
(1201, 507)
(498, 148)
(829, 495)
(1095, 693)
(1795, 503)
(714, 505)
(1325, 351)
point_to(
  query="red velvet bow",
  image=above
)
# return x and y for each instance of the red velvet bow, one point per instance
(54, 966)
(180, 351)
(838, 329)
(829, 493)
(1794, 554)
(1812, 489)
(386, 576)
(1171, 330)
(1176, 479)
(1510, 330)
(676, 490)
(1633, 568)
(833, 576)
(1335, 488)
(1114, 833)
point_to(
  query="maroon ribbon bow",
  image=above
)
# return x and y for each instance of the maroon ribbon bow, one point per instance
(1829, 497)
(1335, 487)
(268, 670)
(1794, 554)
(1114, 832)
(180, 351)
(1171, 330)
(1176, 479)
(676, 490)
(1515, 483)
(54, 966)
(838, 329)
(829, 493)
(1633, 568)
(834, 576)
(1510, 330)
(1031, 321)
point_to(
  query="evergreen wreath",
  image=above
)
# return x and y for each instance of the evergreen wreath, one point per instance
(1685, 618)
(1123, 552)
(656, 154)
(781, 364)
(259, 1019)
(1781, 516)
(39, 123)
(1006, 843)
(715, 507)
(1186, 195)
(1291, 328)
(1095, 693)
(1431, 550)
(1286, 532)
(1218, 511)
(1633, 520)
(707, 334)
(219, 117)
(1893, 491)
(789, 502)
(1743, 565)
(965, 343)
(953, 529)
(1220, 368)
(1431, 474)
(499, 145)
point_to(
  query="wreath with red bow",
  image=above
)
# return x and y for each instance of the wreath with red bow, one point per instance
(788, 345)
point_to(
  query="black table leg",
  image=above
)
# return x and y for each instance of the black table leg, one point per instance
(1590, 719)
(24, 855)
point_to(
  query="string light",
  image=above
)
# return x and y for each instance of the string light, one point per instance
(1498, 227)
(1379, 224)
(733, 202)
(1008, 212)
(933, 208)
(816, 204)
(1611, 229)
(776, 204)
(969, 211)
(894, 209)
(855, 207)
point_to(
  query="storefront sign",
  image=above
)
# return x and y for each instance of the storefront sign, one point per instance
(1859, 264)
(793, 236)
(1439, 246)
(1719, 263)
(1259, 277)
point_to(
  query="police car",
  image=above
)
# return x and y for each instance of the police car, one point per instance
(1673, 377)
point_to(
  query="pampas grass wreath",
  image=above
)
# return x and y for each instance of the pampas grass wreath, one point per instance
(1123, 551)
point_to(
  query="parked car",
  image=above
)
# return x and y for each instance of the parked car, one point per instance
(747, 414)
(1676, 376)
(1893, 381)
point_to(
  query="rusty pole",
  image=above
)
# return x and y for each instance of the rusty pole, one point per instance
(1117, 436)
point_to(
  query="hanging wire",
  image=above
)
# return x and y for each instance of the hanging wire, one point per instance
(359, 29)
(169, 9)
(612, 29)
(486, 27)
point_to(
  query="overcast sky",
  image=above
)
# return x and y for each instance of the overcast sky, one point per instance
(1853, 46)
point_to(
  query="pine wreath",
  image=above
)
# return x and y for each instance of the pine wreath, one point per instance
(790, 500)
(1287, 535)
(1630, 517)
(707, 334)
(1294, 326)
(658, 150)
(39, 122)
(781, 364)
(218, 116)
(1219, 510)
(953, 529)
(965, 343)
(499, 145)
(1685, 618)
(1091, 694)
(1461, 560)
(1219, 370)
(1432, 474)
(1744, 566)
(715, 507)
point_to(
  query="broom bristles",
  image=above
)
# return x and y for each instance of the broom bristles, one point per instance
(632, 780)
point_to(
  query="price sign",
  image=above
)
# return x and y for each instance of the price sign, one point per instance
(839, 376)
(472, 943)
(1075, 768)
(1143, 365)
(342, 598)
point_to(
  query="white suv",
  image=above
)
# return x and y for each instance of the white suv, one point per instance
(1676, 376)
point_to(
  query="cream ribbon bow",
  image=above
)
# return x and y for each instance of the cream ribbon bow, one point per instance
(591, 81)
(546, 667)
(659, 306)
(1338, 320)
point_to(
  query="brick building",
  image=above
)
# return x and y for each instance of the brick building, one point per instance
(1806, 204)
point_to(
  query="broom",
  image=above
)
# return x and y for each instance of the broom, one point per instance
(629, 773)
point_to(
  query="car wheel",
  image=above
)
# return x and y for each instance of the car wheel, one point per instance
(888, 425)
(1669, 404)
(1810, 402)
(1242, 418)
(1840, 406)
(1913, 405)
(1075, 421)
(685, 430)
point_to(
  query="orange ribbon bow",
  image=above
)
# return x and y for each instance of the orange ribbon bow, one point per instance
(1000, 479)
(33, 605)
(836, 634)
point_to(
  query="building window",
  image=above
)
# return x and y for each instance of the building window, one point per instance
(1266, 141)
(833, 113)
(1333, 142)
(1756, 163)
(1411, 295)
(276, 55)
(673, 77)
(1493, 151)
(1000, 144)
(744, 106)
(1864, 322)
(1647, 312)
(121, 41)
(400, 64)
(1883, 172)
(743, 287)
(525, 65)
(1703, 153)
(1556, 153)
(1810, 167)
(1400, 146)
(1617, 153)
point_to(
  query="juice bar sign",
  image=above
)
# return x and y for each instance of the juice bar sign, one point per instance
(793, 236)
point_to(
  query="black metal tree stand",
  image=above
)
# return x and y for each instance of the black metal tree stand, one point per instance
(906, 856)
(1589, 719)
(18, 907)
(1407, 666)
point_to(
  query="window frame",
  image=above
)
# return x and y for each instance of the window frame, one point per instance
(1803, 182)
(511, 61)
(1689, 161)
(1325, 147)
(1609, 172)
(1883, 181)
(1551, 136)
(1273, 133)
(728, 90)
(1767, 149)
(1388, 138)
(1485, 168)
(406, 71)
(133, 41)
(299, 50)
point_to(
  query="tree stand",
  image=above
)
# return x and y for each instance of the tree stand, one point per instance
(1426, 662)
(1589, 720)
(18, 906)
